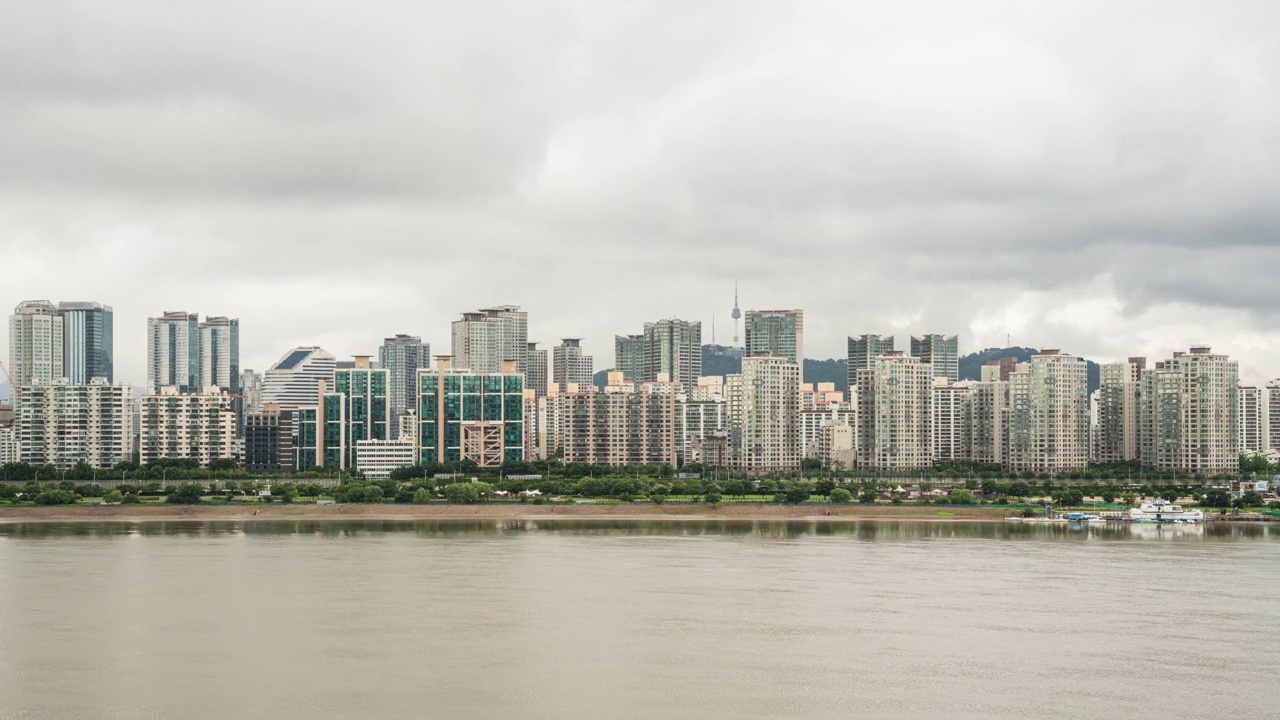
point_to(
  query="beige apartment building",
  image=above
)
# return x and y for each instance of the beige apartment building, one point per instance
(60, 424)
(894, 411)
(1252, 422)
(635, 427)
(1049, 414)
(951, 425)
(989, 420)
(1191, 413)
(1119, 411)
(200, 426)
(764, 415)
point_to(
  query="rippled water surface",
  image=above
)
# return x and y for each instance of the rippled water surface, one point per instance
(636, 619)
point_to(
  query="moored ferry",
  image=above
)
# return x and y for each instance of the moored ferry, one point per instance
(1162, 511)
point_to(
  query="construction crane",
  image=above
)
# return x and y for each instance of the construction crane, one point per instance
(14, 392)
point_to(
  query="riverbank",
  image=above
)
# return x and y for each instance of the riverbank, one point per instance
(440, 511)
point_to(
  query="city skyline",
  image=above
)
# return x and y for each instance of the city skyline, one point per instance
(1023, 174)
(261, 360)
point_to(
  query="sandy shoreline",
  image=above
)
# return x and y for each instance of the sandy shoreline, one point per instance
(503, 511)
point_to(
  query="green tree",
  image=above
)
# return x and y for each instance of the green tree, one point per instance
(114, 497)
(185, 494)
(1128, 499)
(824, 487)
(657, 498)
(961, 496)
(422, 496)
(55, 497)
(462, 492)
(841, 495)
(286, 493)
(1249, 499)
(797, 493)
(780, 497)
(711, 498)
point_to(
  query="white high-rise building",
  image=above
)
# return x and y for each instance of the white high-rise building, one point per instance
(779, 333)
(1191, 413)
(251, 388)
(1049, 414)
(199, 426)
(569, 365)
(483, 340)
(536, 378)
(764, 415)
(952, 421)
(942, 353)
(294, 381)
(173, 352)
(1273, 415)
(61, 424)
(36, 344)
(895, 407)
(1118, 424)
(220, 353)
(1253, 420)
(402, 356)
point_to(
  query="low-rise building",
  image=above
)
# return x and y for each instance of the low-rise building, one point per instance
(268, 440)
(376, 459)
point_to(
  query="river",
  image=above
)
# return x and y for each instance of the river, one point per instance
(567, 619)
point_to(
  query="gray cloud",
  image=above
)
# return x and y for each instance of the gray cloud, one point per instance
(1095, 177)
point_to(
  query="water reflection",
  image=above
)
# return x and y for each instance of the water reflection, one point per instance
(863, 530)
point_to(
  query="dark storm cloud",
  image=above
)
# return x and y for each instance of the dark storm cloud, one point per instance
(1093, 176)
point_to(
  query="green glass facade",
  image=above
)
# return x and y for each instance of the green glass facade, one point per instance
(454, 404)
(357, 408)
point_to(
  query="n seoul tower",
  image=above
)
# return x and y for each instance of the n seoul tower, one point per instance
(736, 312)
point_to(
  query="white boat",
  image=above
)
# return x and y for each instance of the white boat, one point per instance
(1162, 511)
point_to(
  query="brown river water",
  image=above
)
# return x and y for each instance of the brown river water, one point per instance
(636, 619)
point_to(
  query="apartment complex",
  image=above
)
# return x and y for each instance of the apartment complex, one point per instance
(779, 333)
(294, 381)
(863, 350)
(220, 354)
(199, 426)
(895, 406)
(1252, 422)
(951, 424)
(570, 365)
(58, 423)
(1190, 413)
(355, 408)
(402, 357)
(36, 344)
(1118, 408)
(942, 353)
(466, 415)
(763, 423)
(536, 378)
(670, 348)
(625, 425)
(1049, 414)
(485, 339)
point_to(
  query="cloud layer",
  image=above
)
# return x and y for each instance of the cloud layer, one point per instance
(1091, 177)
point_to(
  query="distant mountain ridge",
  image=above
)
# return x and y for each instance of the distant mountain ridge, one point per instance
(721, 360)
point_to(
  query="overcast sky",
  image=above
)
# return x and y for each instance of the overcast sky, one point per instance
(1100, 177)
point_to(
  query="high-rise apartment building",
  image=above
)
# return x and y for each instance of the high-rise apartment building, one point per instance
(268, 440)
(402, 356)
(673, 347)
(895, 406)
(629, 356)
(779, 333)
(1049, 414)
(60, 424)
(764, 415)
(700, 414)
(294, 381)
(1119, 413)
(569, 365)
(635, 426)
(355, 408)
(173, 352)
(940, 352)
(199, 426)
(1252, 422)
(536, 377)
(36, 344)
(951, 424)
(465, 415)
(251, 389)
(815, 422)
(220, 354)
(863, 351)
(88, 341)
(1273, 415)
(483, 340)
(989, 418)
(1190, 413)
